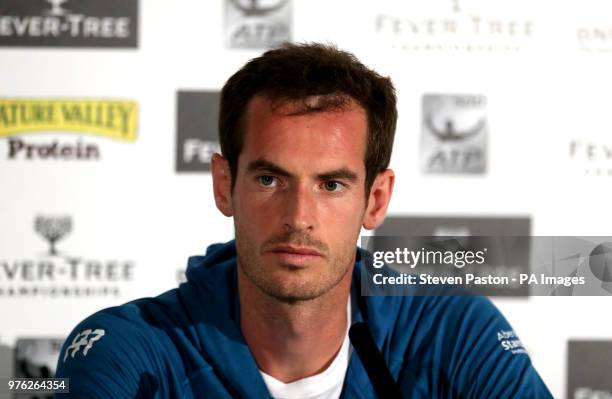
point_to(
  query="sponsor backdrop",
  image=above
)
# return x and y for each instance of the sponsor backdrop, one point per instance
(108, 121)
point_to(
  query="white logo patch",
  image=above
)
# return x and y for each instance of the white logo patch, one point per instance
(86, 339)
(510, 342)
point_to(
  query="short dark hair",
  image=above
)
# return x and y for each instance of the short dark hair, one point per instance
(294, 72)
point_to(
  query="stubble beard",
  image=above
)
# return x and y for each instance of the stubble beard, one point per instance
(309, 287)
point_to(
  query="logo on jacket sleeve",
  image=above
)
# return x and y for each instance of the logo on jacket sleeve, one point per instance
(510, 342)
(85, 339)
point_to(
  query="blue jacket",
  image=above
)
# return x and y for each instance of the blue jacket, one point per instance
(186, 343)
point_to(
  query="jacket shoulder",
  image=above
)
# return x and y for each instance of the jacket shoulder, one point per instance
(472, 346)
(115, 353)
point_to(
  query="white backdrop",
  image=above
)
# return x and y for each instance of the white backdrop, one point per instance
(544, 90)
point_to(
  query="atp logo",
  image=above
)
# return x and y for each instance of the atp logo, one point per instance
(258, 7)
(450, 133)
(85, 339)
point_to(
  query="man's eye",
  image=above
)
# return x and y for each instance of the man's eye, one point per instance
(267, 180)
(333, 186)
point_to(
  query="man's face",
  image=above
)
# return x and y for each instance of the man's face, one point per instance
(299, 201)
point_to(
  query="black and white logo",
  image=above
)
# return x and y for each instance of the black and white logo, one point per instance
(257, 23)
(53, 229)
(454, 135)
(36, 357)
(56, 7)
(592, 158)
(55, 272)
(589, 365)
(83, 342)
(197, 137)
(456, 26)
(252, 8)
(69, 23)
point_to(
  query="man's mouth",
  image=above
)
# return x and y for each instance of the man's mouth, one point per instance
(296, 255)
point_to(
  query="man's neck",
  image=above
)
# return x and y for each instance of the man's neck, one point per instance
(291, 341)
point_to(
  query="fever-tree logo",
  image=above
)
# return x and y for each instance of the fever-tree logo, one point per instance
(53, 229)
(56, 7)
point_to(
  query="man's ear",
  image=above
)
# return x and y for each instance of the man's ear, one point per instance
(378, 200)
(222, 184)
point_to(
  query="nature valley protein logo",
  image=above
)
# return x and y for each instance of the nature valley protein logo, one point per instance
(69, 23)
(54, 272)
(105, 118)
(257, 23)
(454, 134)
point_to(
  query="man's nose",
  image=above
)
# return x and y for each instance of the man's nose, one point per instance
(300, 208)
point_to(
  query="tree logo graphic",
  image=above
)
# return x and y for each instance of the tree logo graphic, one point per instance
(56, 7)
(53, 229)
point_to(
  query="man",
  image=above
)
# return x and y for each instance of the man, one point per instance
(306, 135)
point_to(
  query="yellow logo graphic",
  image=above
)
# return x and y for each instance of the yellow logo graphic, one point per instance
(108, 118)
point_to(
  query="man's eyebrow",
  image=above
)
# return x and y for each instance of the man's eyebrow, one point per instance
(261, 165)
(339, 174)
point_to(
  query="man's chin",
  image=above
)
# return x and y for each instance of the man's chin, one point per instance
(294, 296)
(292, 289)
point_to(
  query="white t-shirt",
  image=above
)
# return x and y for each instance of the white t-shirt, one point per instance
(325, 385)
